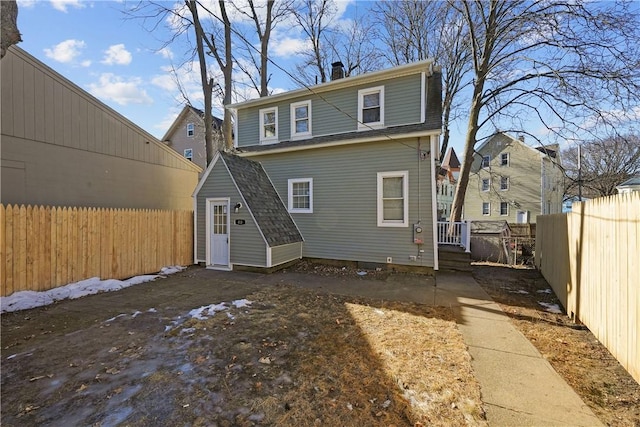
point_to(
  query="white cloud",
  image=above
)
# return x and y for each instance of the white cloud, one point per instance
(65, 51)
(86, 63)
(288, 47)
(26, 3)
(62, 5)
(165, 81)
(166, 53)
(115, 88)
(615, 116)
(117, 54)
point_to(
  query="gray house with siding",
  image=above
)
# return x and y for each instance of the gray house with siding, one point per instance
(63, 147)
(338, 171)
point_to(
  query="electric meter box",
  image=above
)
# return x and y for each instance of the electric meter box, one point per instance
(418, 235)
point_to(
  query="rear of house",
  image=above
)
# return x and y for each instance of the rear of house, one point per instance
(351, 164)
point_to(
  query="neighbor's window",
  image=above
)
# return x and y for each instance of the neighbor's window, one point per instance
(485, 161)
(504, 159)
(371, 108)
(269, 125)
(486, 183)
(301, 120)
(191, 129)
(301, 195)
(393, 202)
(504, 208)
(188, 153)
(504, 183)
(486, 208)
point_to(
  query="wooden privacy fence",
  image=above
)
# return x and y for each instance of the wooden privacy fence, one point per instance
(45, 247)
(590, 257)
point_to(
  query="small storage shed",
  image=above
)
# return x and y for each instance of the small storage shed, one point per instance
(240, 220)
(488, 241)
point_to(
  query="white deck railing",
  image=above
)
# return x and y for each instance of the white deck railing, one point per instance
(455, 234)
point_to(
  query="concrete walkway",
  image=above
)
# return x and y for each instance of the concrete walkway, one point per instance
(519, 387)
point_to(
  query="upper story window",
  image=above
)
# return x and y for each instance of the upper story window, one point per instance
(191, 129)
(301, 120)
(504, 208)
(300, 195)
(504, 183)
(188, 153)
(371, 108)
(485, 161)
(486, 183)
(486, 208)
(269, 125)
(393, 201)
(504, 159)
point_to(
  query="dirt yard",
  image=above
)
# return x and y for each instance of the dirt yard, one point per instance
(573, 351)
(189, 351)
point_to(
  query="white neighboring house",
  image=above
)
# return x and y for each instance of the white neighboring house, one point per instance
(629, 186)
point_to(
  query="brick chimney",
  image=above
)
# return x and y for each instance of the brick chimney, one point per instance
(521, 138)
(337, 70)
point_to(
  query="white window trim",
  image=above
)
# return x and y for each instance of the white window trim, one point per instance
(482, 184)
(270, 139)
(505, 214)
(191, 128)
(290, 195)
(184, 153)
(508, 183)
(405, 195)
(488, 162)
(300, 135)
(489, 205)
(361, 94)
(508, 160)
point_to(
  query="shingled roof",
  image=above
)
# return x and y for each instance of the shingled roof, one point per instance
(262, 200)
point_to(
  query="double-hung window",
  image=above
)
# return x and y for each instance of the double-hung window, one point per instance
(301, 120)
(504, 159)
(504, 208)
(191, 129)
(393, 201)
(269, 125)
(300, 195)
(504, 183)
(485, 161)
(486, 208)
(188, 153)
(371, 108)
(486, 183)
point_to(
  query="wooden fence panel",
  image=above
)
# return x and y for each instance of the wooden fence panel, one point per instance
(45, 247)
(590, 258)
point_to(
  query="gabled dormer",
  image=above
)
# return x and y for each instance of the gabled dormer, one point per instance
(390, 102)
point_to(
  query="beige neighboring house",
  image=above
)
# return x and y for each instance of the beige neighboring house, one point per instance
(63, 147)
(447, 180)
(186, 135)
(514, 182)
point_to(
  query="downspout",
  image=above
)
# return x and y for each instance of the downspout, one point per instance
(434, 208)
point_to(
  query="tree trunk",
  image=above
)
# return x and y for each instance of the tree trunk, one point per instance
(10, 33)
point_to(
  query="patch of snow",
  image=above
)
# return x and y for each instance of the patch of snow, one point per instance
(25, 300)
(361, 273)
(187, 330)
(519, 291)
(551, 308)
(135, 314)
(378, 312)
(202, 313)
(545, 291)
(240, 303)
(152, 310)
(114, 318)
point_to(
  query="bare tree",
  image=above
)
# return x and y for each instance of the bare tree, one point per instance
(604, 163)
(264, 17)
(559, 61)
(353, 43)
(416, 30)
(10, 33)
(314, 19)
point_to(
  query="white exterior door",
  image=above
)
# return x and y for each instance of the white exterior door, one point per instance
(217, 233)
(522, 217)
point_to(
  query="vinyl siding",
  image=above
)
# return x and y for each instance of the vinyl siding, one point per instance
(525, 179)
(246, 243)
(336, 112)
(285, 253)
(343, 224)
(50, 125)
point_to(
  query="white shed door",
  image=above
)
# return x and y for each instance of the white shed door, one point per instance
(218, 233)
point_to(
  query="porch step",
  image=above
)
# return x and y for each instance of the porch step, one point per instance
(453, 258)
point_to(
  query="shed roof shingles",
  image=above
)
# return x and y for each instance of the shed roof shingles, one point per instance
(263, 200)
